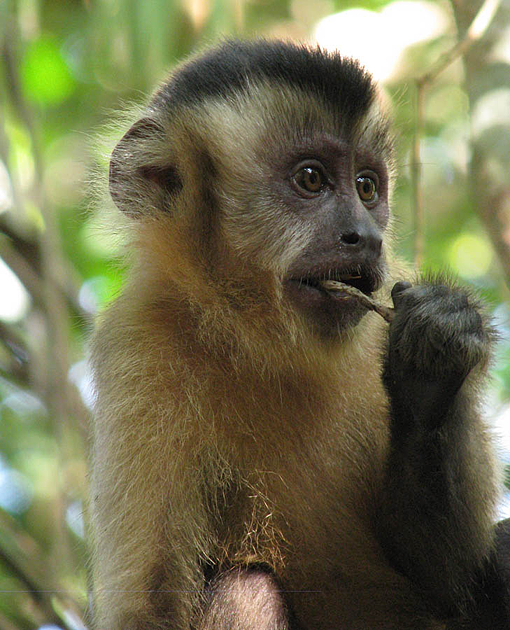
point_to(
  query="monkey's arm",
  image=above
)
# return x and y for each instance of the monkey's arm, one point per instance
(435, 519)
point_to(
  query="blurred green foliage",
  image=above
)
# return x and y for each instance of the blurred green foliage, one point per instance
(66, 66)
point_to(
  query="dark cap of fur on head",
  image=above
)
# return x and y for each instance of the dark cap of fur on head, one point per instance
(233, 65)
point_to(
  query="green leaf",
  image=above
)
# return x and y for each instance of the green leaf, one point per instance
(45, 74)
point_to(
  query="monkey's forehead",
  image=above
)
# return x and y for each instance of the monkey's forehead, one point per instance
(235, 66)
(269, 121)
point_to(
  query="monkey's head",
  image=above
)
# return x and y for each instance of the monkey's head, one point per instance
(257, 171)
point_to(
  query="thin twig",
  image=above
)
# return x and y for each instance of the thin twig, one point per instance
(475, 32)
(385, 312)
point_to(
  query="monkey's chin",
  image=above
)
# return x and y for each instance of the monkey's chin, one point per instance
(328, 313)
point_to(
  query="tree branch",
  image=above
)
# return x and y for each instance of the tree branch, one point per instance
(474, 33)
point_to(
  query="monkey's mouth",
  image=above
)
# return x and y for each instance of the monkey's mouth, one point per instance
(332, 309)
(365, 284)
(364, 280)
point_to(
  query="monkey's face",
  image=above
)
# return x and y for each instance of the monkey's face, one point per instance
(311, 206)
(340, 197)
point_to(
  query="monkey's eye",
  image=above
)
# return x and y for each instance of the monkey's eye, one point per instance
(310, 179)
(367, 188)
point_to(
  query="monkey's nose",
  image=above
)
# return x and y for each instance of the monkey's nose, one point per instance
(369, 241)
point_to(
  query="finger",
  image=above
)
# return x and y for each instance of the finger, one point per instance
(398, 290)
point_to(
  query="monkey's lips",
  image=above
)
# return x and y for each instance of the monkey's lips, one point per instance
(331, 310)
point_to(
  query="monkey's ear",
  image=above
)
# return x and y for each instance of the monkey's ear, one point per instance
(139, 180)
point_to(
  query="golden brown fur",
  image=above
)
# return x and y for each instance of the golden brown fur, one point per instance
(228, 434)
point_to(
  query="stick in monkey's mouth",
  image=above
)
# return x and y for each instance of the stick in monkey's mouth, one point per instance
(340, 287)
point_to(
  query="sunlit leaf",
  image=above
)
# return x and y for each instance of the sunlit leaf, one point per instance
(45, 74)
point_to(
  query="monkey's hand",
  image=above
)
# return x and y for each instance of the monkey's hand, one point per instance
(439, 343)
(437, 337)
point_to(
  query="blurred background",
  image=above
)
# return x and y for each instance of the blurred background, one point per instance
(65, 69)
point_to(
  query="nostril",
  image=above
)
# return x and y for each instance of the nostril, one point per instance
(370, 241)
(351, 238)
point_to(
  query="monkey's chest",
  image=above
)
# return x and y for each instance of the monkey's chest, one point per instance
(302, 510)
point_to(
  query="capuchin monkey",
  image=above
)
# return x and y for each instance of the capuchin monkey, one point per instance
(269, 453)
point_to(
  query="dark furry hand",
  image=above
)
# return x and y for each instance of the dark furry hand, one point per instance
(438, 336)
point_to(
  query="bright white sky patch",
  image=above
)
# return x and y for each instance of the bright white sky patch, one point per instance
(378, 39)
(490, 110)
(14, 299)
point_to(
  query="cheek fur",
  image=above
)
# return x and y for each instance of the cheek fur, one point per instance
(262, 229)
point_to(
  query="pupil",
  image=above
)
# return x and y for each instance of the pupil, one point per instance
(313, 178)
(367, 188)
